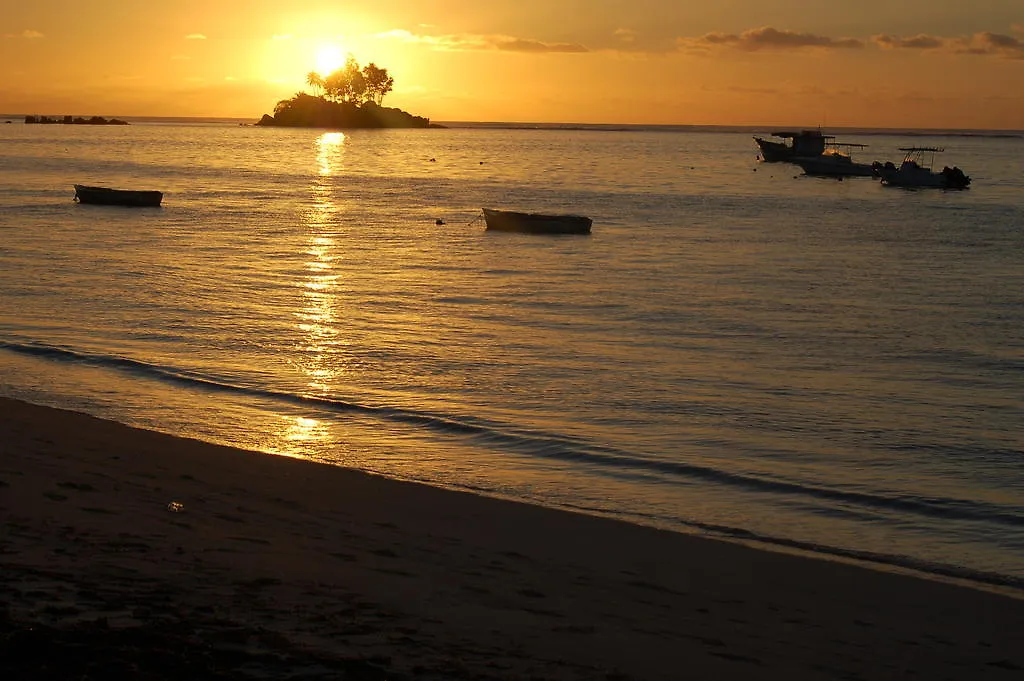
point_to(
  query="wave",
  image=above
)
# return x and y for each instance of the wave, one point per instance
(555, 446)
(595, 458)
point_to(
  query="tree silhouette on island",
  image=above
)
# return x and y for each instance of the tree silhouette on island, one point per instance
(350, 97)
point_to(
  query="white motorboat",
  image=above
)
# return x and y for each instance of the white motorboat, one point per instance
(836, 161)
(916, 171)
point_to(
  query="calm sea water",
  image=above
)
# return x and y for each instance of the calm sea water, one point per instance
(735, 350)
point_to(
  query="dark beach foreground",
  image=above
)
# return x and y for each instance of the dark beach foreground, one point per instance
(128, 554)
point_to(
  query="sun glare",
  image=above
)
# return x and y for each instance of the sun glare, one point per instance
(329, 58)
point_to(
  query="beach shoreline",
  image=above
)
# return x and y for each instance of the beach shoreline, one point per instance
(133, 554)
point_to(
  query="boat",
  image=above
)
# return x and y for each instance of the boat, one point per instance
(536, 223)
(836, 161)
(801, 144)
(916, 171)
(104, 196)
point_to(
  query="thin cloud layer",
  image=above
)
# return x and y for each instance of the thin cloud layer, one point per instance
(525, 45)
(994, 43)
(768, 38)
(195, 36)
(984, 43)
(765, 38)
(469, 42)
(626, 35)
(27, 34)
(917, 42)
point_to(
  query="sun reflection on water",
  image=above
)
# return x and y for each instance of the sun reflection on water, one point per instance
(329, 148)
(317, 316)
(297, 436)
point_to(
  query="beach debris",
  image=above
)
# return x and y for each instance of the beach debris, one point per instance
(439, 222)
(175, 507)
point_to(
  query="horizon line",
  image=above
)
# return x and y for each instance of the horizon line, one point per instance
(569, 125)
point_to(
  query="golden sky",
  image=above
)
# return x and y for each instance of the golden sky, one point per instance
(878, 63)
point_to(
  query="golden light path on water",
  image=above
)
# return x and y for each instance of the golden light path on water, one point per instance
(317, 319)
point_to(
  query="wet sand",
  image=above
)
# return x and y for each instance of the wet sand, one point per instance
(286, 569)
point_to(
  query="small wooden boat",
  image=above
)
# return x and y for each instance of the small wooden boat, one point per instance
(103, 196)
(536, 223)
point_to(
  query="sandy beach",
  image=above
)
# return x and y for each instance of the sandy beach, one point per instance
(128, 554)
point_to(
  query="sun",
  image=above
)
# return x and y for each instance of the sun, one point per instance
(329, 58)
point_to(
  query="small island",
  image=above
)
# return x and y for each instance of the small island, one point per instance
(350, 97)
(78, 120)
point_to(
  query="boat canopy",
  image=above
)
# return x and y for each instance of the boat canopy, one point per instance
(789, 134)
(931, 149)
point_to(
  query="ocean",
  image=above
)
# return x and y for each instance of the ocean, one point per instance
(737, 350)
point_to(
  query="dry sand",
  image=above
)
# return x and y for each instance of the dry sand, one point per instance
(284, 569)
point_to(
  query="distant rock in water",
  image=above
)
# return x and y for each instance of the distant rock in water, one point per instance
(68, 120)
(306, 111)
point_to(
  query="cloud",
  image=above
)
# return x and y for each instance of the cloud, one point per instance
(988, 43)
(768, 38)
(524, 45)
(917, 42)
(984, 43)
(27, 34)
(752, 90)
(471, 42)
(195, 36)
(626, 35)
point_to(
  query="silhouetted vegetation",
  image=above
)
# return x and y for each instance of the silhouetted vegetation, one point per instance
(68, 120)
(350, 97)
(353, 84)
(307, 111)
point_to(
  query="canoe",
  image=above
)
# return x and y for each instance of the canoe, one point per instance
(536, 223)
(104, 196)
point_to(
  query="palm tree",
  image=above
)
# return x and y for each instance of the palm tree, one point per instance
(378, 82)
(336, 86)
(315, 81)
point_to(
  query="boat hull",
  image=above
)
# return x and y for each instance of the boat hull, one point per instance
(104, 196)
(923, 178)
(774, 152)
(826, 166)
(804, 144)
(535, 223)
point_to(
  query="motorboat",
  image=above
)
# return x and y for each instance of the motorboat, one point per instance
(535, 223)
(105, 196)
(916, 171)
(836, 161)
(794, 144)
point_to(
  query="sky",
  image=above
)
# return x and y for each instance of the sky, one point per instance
(868, 63)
